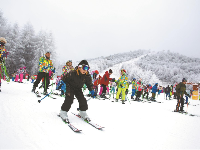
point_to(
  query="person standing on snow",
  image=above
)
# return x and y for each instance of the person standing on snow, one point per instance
(154, 90)
(74, 81)
(3, 56)
(139, 89)
(167, 91)
(122, 84)
(104, 82)
(67, 68)
(180, 91)
(45, 64)
(134, 86)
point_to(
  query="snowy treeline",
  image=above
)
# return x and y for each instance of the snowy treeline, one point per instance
(171, 67)
(102, 63)
(163, 67)
(25, 47)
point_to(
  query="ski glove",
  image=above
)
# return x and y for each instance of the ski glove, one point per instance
(94, 94)
(113, 79)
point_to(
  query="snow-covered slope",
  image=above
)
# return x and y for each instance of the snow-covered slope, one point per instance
(134, 71)
(27, 124)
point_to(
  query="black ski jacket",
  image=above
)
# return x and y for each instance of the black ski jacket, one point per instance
(75, 80)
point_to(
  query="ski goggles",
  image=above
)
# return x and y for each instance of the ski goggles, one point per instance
(84, 67)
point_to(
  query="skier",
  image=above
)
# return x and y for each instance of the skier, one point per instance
(122, 84)
(74, 81)
(174, 90)
(104, 82)
(112, 87)
(146, 91)
(96, 80)
(180, 91)
(3, 55)
(45, 64)
(167, 91)
(139, 89)
(154, 90)
(22, 71)
(67, 68)
(134, 85)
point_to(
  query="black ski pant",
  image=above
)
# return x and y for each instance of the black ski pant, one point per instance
(104, 89)
(139, 93)
(39, 78)
(69, 98)
(146, 93)
(180, 103)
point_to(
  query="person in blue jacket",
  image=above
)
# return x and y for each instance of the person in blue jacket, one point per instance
(154, 90)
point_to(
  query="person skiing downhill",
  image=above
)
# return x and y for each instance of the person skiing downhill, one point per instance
(74, 81)
(122, 84)
(45, 64)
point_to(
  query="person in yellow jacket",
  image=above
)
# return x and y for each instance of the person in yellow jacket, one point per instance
(45, 65)
(122, 84)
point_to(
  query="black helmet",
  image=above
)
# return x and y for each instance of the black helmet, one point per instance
(184, 80)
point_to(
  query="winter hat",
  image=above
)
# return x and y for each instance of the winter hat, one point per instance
(83, 62)
(134, 79)
(110, 71)
(123, 70)
(3, 39)
(184, 80)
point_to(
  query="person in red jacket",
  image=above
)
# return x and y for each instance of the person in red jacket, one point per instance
(104, 82)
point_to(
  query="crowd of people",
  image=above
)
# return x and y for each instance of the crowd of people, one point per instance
(74, 81)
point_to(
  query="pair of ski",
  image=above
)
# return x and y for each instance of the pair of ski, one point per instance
(186, 113)
(78, 130)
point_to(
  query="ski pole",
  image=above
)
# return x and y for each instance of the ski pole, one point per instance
(45, 96)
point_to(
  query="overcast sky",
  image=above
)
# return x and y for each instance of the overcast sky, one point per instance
(93, 28)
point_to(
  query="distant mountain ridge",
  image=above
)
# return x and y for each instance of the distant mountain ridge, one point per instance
(163, 66)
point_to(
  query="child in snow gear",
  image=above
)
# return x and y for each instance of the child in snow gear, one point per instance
(180, 91)
(167, 91)
(139, 89)
(67, 68)
(104, 82)
(3, 56)
(134, 85)
(74, 81)
(146, 91)
(122, 84)
(45, 65)
(154, 90)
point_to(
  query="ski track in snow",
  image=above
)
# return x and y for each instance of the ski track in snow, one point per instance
(27, 124)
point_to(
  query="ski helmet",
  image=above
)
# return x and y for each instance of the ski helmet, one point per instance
(184, 80)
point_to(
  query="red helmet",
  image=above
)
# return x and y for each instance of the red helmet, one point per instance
(96, 71)
(123, 70)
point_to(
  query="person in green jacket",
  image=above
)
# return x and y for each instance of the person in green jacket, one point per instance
(180, 91)
(122, 85)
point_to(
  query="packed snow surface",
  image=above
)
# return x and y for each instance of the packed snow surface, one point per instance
(27, 124)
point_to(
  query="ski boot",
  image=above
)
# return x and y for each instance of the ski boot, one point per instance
(123, 102)
(33, 90)
(84, 115)
(103, 96)
(64, 116)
